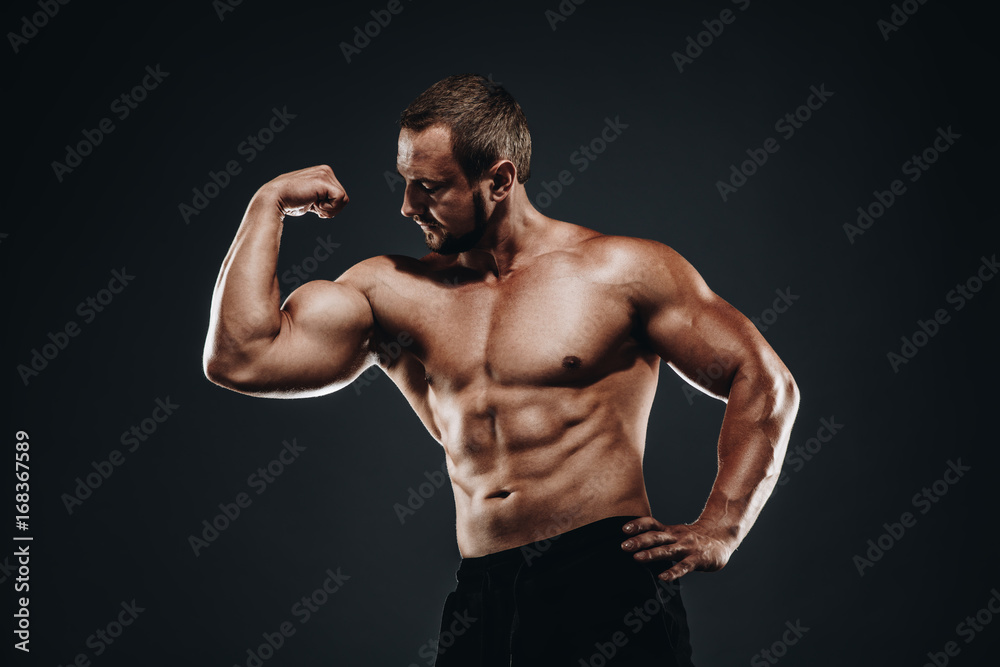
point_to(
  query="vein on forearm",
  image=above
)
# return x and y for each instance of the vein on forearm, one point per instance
(751, 447)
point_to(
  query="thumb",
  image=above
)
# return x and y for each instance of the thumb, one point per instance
(327, 208)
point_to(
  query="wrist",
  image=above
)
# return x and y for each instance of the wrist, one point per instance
(723, 529)
(266, 201)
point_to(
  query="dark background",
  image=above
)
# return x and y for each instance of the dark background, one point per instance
(364, 449)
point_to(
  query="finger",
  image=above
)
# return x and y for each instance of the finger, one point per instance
(678, 570)
(320, 209)
(668, 552)
(335, 196)
(642, 524)
(648, 540)
(337, 185)
(328, 208)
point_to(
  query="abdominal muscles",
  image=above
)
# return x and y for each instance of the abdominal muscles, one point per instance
(530, 463)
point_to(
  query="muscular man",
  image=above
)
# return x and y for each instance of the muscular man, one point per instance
(534, 347)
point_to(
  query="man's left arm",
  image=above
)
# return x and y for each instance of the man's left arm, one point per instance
(718, 350)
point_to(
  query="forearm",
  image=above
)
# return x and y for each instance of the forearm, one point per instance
(754, 436)
(246, 303)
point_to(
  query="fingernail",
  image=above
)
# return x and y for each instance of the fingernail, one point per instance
(629, 528)
(627, 545)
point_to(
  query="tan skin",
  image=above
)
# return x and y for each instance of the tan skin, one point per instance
(534, 355)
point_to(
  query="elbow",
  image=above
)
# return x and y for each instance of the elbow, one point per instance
(225, 373)
(227, 364)
(216, 370)
(789, 394)
(771, 378)
(239, 374)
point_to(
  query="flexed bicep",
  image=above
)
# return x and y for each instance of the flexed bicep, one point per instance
(322, 346)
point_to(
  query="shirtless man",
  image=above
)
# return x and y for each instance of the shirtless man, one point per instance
(533, 355)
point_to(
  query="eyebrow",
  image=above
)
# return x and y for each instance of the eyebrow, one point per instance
(429, 180)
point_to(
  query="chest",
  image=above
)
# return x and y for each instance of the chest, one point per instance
(539, 327)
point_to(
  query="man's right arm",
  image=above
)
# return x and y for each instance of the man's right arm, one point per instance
(318, 341)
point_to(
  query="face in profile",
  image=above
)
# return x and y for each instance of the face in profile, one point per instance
(451, 212)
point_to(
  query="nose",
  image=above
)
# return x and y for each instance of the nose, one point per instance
(411, 202)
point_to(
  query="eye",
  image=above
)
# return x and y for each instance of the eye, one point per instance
(429, 190)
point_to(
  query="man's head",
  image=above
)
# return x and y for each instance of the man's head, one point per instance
(463, 145)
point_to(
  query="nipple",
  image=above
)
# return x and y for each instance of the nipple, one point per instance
(571, 362)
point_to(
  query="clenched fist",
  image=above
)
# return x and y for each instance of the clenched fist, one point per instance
(315, 190)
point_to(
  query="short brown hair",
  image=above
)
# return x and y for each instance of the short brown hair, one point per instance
(486, 123)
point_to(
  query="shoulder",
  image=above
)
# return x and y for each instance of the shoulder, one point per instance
(626, 251)
(380, 270)
(647, 264)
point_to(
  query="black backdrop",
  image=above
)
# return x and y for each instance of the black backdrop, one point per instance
(221, 74)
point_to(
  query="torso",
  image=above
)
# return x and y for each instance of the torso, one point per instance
(537, 385)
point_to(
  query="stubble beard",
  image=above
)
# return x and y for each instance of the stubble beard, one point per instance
(445, 244)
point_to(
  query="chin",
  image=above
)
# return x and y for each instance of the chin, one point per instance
(432, 239)
(447, 244)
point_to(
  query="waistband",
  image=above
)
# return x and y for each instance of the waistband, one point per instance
(607, 530)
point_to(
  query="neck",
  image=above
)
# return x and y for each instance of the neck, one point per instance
(514, 229)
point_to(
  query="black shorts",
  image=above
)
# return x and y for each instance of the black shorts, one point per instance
(575, 600)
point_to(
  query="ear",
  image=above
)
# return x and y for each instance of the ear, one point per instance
(503, 176)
